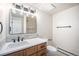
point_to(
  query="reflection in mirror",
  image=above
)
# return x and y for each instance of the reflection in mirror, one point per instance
(16, 23)
(31, 25)
(21, 23)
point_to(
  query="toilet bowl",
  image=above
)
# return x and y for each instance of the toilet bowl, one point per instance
(52, 51)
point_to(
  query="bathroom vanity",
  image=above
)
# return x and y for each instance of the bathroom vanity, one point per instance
(31, 47)
(37, 50)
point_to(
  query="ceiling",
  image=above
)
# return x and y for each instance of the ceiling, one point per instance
(63, 6)
(52, 9)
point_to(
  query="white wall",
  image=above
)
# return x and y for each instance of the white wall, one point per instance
(67, 38)
(3, 20)
(44, 25)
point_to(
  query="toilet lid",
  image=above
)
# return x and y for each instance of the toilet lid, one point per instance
(51, 48)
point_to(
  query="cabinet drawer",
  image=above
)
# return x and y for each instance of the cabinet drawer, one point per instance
(42, 52)
(30, 51)
(42, 46)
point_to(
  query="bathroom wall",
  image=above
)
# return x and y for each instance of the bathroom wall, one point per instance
(44, 24)
(67, 38)
(3, 20)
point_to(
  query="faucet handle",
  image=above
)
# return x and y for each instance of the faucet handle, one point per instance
(22, 39)
(14, 40)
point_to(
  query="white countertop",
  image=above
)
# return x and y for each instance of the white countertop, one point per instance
(30, 43)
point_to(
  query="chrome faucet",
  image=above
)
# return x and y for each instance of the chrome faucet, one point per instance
(18, 40)
(22, 39)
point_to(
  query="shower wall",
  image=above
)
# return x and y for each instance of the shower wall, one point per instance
(65, 37)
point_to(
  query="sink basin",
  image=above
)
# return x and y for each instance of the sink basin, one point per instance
(15, 45)
(18, 44)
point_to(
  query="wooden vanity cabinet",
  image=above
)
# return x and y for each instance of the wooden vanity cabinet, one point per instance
(42, 53)
(18, 53)
(42, 50)
(37, 50)
(30, 51)
(42, 46)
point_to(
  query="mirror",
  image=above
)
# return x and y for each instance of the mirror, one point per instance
(31, 25)
(21, 23)
(16, 22)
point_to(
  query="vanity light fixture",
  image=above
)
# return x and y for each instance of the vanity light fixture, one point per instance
(26, 9)
(32, 10)
(18, 6)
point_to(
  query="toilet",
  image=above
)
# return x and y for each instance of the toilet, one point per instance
(52, 51)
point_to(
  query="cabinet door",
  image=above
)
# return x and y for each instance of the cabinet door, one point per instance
(42, 46)
(31, 25)
(36, 48)
(42, 52)
(25, 52)
(30, 51)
